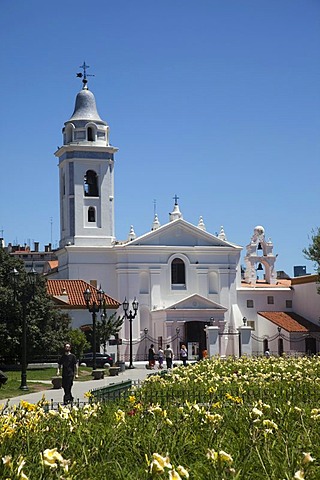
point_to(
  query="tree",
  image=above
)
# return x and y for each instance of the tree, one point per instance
(108, 326)
(79, 342)
(313, 251)
(47, 327)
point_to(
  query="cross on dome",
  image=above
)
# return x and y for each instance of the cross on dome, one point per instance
(84, 75)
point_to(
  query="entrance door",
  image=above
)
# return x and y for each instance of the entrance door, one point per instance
(195, 334)
(311, 346)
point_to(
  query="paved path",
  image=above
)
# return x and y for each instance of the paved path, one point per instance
(80, 388)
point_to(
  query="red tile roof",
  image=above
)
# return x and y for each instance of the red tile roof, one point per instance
(281, 283)
(70, 293)
(291, 322)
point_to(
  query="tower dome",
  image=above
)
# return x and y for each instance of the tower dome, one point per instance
(85, 107)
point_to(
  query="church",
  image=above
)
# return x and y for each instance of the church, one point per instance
(188, 283)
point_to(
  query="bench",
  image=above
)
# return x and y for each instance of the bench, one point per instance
(111, 392)
(98, 374)
(113, 371)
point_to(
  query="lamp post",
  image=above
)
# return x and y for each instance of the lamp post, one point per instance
(94, 308)
(130, 316)
(178, 331)
(145, 343)
(26, 297)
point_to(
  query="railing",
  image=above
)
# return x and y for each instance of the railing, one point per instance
(111, 392)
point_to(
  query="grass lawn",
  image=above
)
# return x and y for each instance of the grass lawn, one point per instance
(36, 380)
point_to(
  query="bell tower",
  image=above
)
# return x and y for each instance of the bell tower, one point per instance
(265, 261)
(86, 171)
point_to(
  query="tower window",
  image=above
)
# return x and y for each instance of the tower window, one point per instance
(90, 133)
(270, 300)
(91, 184)
(91, 214)
(178, 272)
(250, 304)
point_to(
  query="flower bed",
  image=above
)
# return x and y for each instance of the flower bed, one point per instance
(233, 419)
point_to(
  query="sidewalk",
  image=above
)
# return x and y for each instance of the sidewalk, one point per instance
(139, 373)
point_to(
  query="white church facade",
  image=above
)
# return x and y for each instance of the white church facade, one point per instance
(188, 282)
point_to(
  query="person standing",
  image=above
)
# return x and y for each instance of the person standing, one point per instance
(184, 354)
(160, 358)
(69, 365)
(151, 357)
(168, 353)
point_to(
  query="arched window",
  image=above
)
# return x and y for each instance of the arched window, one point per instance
(91, 184)
(280, 346)
(178, 272)
(91, 214)
(90, 134)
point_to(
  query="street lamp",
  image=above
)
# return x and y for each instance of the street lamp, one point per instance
(145, 343)
(130, 316)
(94, 308)
(178, 331)
(26, 297)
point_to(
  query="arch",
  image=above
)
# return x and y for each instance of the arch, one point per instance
(178, 272)
(265, 345)
(91, 184)
(91, 214)
(90, 134)
(68, 133)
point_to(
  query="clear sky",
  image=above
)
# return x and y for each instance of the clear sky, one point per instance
(217, 101)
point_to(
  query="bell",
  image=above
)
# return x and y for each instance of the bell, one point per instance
(260, 267)
(259, 246)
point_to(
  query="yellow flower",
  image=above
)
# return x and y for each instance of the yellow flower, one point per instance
(225, 457)
(182, 472)
(159, 463)
(257, 412)
(222, 456)
(6, 460)
(21, 463)
(173, 475)
(132, 398)
(88, 394)
(307, 458)
(50, 457)
(120, 416)
(299, 475)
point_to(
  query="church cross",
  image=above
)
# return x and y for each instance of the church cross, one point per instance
(176, 198)
(84, 67)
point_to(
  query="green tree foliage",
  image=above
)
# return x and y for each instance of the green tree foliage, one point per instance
(78, 342)
(47, 327)
(107, 327)
(313, 251)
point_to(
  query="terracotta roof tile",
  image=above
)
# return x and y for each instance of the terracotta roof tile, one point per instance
(281, 283)
(70, 292)
(291, 322)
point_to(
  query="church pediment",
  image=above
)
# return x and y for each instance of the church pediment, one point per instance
(182, 233)
(197, 302)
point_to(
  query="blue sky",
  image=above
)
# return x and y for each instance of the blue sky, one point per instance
(216, 101)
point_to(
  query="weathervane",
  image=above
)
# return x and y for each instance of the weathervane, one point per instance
(84, 75)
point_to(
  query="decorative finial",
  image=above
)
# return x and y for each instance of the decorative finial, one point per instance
(84, 75)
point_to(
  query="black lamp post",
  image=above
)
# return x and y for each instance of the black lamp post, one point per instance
(94, 308)
(145, 343)
(26, 297)
(130, 316)
(178, 346)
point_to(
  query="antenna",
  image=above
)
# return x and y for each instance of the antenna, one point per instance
(51, 222)
(154, 206)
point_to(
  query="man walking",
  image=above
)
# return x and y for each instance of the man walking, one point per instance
(169, 356)
(69, 365)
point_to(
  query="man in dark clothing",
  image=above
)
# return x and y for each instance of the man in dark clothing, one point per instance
(69, 365)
